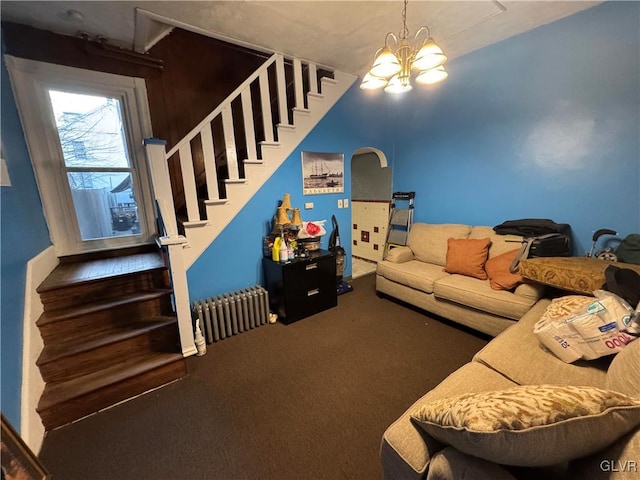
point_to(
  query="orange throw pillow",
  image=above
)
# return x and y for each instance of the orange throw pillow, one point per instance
(500, 278)
(467, 256)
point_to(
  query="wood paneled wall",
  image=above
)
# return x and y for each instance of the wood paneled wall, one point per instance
(199, 72)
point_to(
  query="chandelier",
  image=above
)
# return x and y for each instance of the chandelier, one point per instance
(392, 69)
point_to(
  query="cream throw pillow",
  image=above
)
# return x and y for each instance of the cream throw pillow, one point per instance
(530, 425)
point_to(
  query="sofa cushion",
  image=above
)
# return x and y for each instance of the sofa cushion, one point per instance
(467, 256)
(478, 294)
(517, 354)
(414, 274)
(406, 449)
(429, 241)
(499, 273)
(623, 374)
(451, 464)
(531, 425)
(499, 243)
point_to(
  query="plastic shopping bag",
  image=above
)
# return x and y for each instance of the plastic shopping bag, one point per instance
(559, 338)
(627, 318)
(592, 332)
(312, 229)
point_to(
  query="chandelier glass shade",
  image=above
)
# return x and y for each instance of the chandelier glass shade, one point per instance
(386, 64)
(392, 68)
(432, 76)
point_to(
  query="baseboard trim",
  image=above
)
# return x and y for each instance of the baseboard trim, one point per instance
(188, 352)
(31, 428)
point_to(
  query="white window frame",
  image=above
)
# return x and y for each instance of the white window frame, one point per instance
(31, 81)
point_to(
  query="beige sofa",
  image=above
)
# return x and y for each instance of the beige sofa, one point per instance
(415, 274)
(515, 358)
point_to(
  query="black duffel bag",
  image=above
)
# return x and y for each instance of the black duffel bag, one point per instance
(543, 238)
(532, 227)
(550, 245)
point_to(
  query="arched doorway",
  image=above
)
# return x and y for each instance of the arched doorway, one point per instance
(371, 189)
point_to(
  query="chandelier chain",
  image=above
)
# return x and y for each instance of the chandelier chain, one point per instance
(405, 31)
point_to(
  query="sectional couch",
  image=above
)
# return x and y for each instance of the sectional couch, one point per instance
(595, 444)
(419, 274)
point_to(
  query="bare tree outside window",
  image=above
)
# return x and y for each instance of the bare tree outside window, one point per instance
(94, 147)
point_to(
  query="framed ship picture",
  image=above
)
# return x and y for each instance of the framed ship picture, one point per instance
(322, 173)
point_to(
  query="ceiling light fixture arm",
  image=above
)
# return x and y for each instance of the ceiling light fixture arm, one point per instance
(424, 28)
(386, 41)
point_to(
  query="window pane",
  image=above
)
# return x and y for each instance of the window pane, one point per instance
(105, 204)
(90, 129)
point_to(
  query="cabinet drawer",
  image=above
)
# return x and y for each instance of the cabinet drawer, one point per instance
(304, 276)
(302, 304)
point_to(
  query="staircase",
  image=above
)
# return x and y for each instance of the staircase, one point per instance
(262, 122)
(109, 334)
(257, 127)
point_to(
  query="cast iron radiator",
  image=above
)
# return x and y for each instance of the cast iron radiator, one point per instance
(232, 313)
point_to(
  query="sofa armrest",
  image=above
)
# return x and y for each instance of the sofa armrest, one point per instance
(450, 464)
(534, 291)
(399, 255)
(407, 449)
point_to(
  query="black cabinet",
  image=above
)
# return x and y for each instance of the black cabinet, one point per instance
(301, 287)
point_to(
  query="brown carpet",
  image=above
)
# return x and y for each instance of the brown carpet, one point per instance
(310, 400)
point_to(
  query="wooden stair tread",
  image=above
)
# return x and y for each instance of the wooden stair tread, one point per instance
(59, 392)
(52, 316)
(95, 340)
(66, 274)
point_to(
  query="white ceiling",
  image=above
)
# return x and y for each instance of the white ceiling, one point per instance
(339, 34)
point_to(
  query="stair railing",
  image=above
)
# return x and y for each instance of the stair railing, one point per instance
(158, 159)
(203, 130)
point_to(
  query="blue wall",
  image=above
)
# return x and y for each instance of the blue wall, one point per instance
(24, 235)
(543, 125)
(234, 259)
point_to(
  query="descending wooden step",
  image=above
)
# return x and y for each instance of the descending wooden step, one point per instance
(73, 283)
(84, 355)
(63, 324)
(110, 333)
(65, 402)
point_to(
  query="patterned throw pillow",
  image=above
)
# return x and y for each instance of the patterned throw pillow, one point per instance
(530, 425)
(566, 307)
